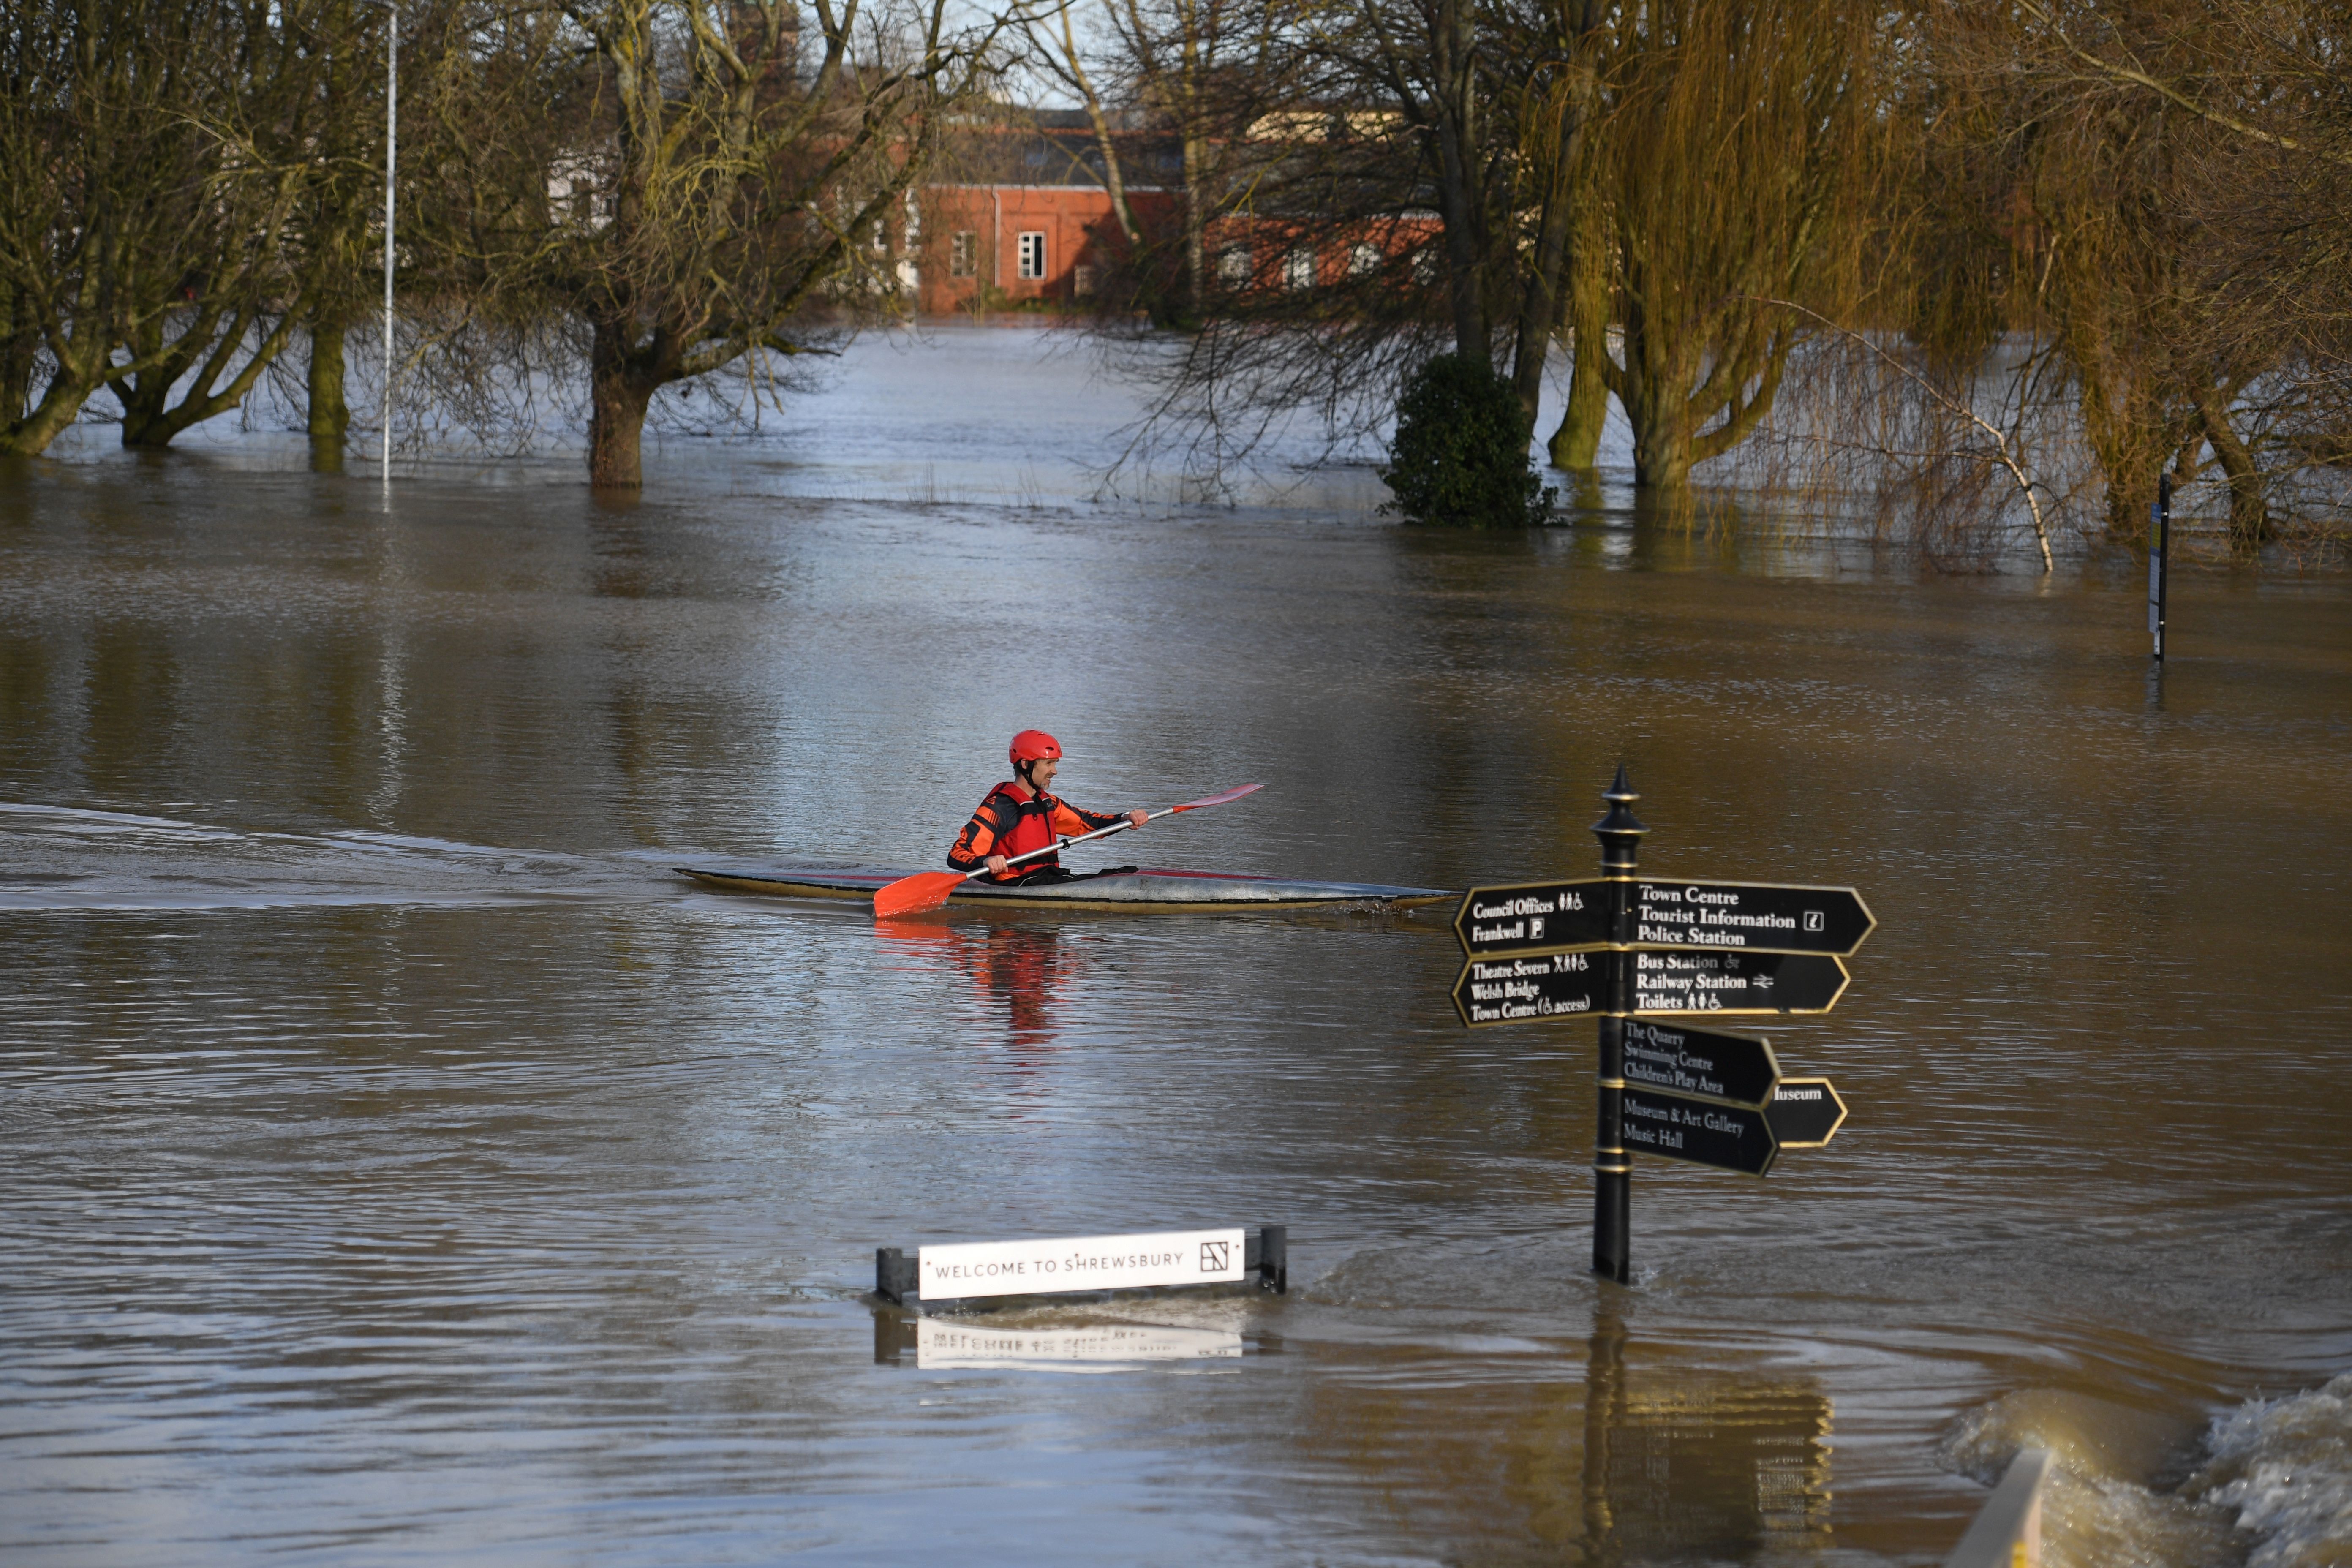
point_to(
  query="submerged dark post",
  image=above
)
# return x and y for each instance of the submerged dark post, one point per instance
(2160, 560)
(1620, 833)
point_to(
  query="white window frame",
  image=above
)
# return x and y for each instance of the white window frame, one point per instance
(1029, 246)
(964, 253)
(1298, 269)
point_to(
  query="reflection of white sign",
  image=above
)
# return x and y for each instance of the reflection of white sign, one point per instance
(940, 1345)
(1078, 1263)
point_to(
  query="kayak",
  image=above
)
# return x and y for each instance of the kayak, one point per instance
(1147, 890)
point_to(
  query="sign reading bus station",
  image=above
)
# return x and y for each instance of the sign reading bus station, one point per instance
(1520, 989)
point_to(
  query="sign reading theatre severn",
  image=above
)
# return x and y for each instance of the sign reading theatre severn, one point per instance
(1561, 985)
(977, 1269)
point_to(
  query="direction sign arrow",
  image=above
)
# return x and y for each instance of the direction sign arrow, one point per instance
(1695, 1061)
(1805, 1113)
(1736, 983)
(1749, 917)
(1529, 986)
(1755, 917)
(1533, 917)
(1521, 990)
(1729, 1138)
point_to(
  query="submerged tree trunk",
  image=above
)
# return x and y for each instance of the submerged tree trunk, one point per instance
(330, 417)
(621, 386)
(2249, 522)
(1575, 446)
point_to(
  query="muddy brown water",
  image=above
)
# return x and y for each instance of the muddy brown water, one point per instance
(401, 1166)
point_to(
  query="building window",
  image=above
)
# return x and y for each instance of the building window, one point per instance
(1364, 260)
(1233, 265)
(1032, 255)
(963, 254)
(1298, 269)
(1082, 281)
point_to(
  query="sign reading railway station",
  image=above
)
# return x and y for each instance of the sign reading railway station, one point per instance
(1520, 989)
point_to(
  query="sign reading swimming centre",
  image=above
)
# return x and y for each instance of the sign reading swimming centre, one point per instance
(1079, 1263)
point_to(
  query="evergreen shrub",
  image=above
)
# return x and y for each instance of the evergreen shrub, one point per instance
(1460, 457)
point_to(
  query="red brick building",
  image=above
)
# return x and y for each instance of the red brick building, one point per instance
(1008, 244)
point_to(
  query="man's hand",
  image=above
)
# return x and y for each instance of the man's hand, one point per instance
(996, 864)
(1137, 818)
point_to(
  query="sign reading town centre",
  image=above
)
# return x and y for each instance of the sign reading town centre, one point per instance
(1084, 1265)
(1752, 917)
(1555, 985)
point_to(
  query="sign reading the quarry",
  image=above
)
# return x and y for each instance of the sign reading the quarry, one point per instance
(1694, 1061)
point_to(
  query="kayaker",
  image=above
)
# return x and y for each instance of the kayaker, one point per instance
(1020, 815)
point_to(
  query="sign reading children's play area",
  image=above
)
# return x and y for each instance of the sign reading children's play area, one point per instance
(1626, 950)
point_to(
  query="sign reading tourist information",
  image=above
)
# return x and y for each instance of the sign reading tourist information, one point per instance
(1805, 1113)
(1079, 1263)
(1751, 917)
(1533, 917)
(1727, 1137)
(1568, 984)
(1694, 1061)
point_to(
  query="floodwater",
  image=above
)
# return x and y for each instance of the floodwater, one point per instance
(401, 1165)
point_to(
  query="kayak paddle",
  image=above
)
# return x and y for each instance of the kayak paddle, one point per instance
(930, 889)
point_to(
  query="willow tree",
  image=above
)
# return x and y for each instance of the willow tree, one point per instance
(1735, 165)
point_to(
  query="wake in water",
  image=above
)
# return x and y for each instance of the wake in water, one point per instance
(2269, 1484)
(68, 857)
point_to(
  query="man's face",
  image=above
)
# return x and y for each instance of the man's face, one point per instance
(1042, 772)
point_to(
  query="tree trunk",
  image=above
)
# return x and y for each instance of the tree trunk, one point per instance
(1460, 207)
(2249, 522)
(330, 415)
(619, 393)
(1575, 446)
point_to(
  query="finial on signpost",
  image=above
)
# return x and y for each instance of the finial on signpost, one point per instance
(1621, 831)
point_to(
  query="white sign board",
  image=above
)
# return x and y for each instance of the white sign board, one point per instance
(942, 1345)
(1078, 1263)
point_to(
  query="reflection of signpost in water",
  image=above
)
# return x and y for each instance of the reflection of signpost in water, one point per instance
(1624, 949)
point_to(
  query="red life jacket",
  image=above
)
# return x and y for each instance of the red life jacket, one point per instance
(1030, 825)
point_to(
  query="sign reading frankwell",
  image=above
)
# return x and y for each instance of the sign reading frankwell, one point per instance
(1753, 917)
(1078, 1263)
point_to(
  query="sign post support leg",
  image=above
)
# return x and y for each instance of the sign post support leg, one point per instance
(1620, 833)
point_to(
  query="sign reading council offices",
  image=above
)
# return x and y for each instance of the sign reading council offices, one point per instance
(1079, 1263)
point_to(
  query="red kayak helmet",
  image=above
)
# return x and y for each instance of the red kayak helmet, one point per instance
(1033, 746)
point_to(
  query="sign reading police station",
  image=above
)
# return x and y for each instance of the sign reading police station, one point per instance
(979, 1269)
(1749, 917)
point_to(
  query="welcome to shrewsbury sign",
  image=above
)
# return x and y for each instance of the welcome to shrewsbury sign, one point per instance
(944, 1275)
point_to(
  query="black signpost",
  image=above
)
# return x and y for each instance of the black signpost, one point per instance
(1626, 949)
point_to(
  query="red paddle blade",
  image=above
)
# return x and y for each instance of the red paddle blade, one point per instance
(912, 895)
(1218, 799)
